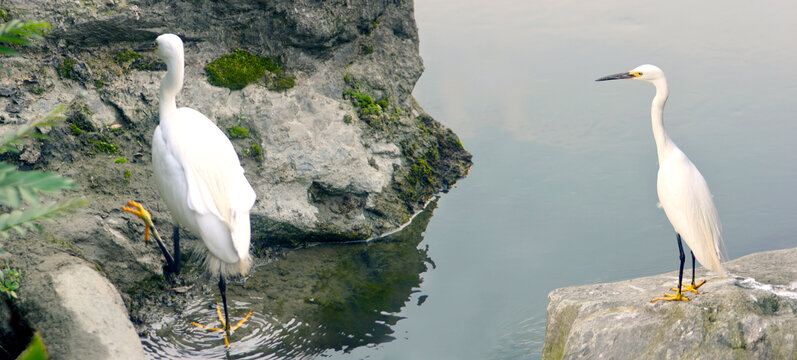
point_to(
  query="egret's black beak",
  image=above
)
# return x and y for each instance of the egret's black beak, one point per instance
(148, 47)
(625, 75)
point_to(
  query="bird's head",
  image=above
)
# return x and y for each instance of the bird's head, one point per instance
(168, 46)
(649, 73)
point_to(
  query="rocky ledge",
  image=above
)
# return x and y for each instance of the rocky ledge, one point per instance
(750, 315)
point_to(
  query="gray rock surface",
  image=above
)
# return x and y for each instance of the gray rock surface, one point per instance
(752, 315)
(321, 177)
(78, 312)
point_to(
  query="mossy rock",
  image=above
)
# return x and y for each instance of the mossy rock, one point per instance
(66, 69)
(282, 82)
(255, 151)
(238, 69)
(238, 132)
(79, 117)
(126, 56)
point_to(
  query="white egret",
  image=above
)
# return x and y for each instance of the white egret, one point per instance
(200, 177)
(683, 192)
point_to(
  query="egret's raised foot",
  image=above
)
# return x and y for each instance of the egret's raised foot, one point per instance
(224, 326)
(691, 287)
(138, 210)
(678, 296)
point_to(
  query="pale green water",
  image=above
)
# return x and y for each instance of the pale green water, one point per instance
(563, 187)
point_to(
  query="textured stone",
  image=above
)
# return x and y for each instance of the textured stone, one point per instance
(78, 311)
(751, 315)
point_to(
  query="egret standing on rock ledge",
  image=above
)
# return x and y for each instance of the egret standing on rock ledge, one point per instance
(683, 192)
(200, 177)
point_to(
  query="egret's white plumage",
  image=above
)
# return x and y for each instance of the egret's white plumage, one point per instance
(198, 172)
(683, 192)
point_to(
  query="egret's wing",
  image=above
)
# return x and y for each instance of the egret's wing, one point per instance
(687, 201)
(215, 178)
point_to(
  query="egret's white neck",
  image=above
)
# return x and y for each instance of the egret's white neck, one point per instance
(171, 84)
(663, 142)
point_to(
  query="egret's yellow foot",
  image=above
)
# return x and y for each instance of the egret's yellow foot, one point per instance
(138, 210)
(690, 287)
(678, 296)
(224, 326)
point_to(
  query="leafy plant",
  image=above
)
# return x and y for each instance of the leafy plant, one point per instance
(18, 32)
(18, 188)
(9, 281)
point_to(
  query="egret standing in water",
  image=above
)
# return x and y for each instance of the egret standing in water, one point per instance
(683, 192)
(200, 178)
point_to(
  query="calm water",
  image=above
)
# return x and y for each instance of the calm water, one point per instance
(563, 187)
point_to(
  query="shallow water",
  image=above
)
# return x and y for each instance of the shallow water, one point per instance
(563, 187)
(305, 302)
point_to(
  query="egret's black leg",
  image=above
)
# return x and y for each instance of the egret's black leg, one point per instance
(170, 262)
(682, 258)
(693, 286)
(175, 266)
(223, 290)
(678, 296)
(226, 327)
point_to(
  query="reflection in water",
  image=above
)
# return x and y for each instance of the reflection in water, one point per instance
(310, 300)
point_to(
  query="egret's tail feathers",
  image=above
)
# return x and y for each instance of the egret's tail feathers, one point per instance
(715, 264)
(706, 233)
(215, 266)
(708, 252)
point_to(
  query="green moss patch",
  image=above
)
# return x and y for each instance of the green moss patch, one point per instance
(421, 172)
(76, 130)
(106, 147)
(238, 69)
(126, 56)
(364, 102)
(65, 69)
(128, 59)
(79, 117)
(255, 151)
(238, 132)
(282, 82)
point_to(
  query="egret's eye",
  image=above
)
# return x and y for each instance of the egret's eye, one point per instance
(638, 74)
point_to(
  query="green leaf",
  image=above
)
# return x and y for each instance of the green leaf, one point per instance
(18, 186)
(18, 32)
(18, 219)
(35, 350)
(15, 136)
